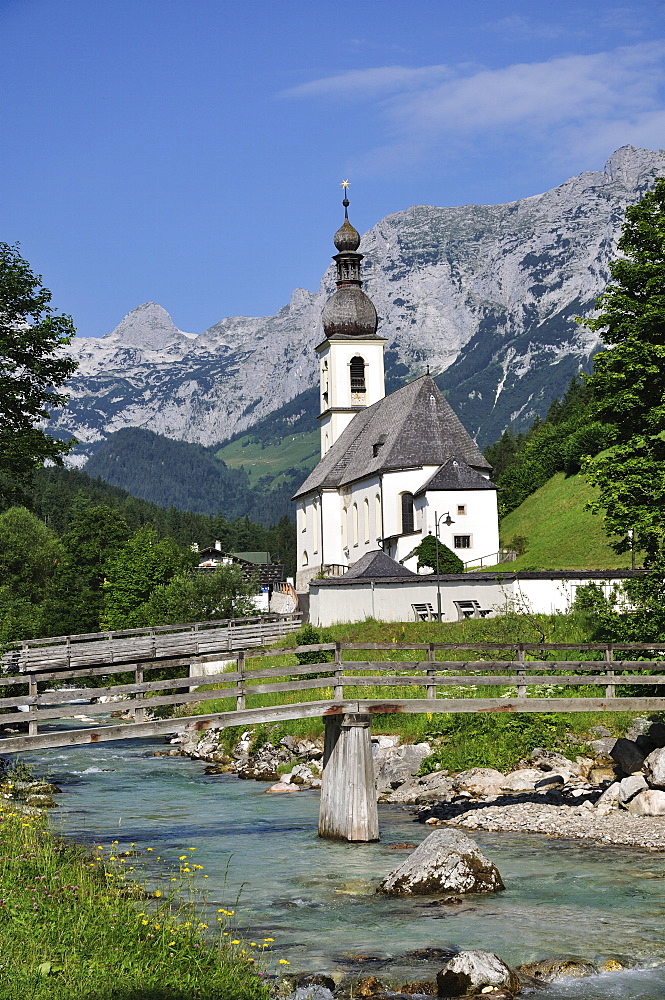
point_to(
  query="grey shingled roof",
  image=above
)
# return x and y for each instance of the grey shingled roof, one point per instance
(376, 565)
(417, 427)
(455, 474)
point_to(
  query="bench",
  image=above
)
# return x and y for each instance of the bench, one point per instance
(471, 609)
(423, 612)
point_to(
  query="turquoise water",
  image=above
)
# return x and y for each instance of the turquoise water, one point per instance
(316, 897)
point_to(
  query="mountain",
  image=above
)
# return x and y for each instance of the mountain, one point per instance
(486, 295)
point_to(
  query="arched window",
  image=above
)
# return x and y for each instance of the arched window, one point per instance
(377, 517)
(407, 512)
(305, 559)
(366, 519)
(315, 526)
(357, 367)
(303, 516)
(355, 524)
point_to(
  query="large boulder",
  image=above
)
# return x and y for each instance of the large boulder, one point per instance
(523, 780)
(471, 972)
(552, 969)
(630, 786)
(655, 768)
(602, 751)
(550, 760)
(650, 802)
(434, 787)
(394, 765)
(610, 796)
(446, 861)
(481, 781)
(628, 756)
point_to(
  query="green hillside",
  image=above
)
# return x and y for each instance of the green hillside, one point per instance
(258, 459)
(560, 533)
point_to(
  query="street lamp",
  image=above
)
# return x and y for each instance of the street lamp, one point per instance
(447, 519)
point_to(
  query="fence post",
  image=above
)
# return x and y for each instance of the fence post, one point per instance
(240, 700)
(32, 709)
(521, 673)
(139, 713)
(609, 657)
(339, 680)
(431, 672)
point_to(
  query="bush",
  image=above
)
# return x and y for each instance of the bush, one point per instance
(427, 556)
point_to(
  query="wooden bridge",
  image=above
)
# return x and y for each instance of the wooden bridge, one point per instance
(55, 690)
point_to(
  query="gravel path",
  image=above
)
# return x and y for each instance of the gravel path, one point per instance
(618, 827)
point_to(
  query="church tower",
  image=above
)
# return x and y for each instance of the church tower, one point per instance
(351, 356)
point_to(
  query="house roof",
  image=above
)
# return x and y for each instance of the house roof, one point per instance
(413, 426)
(376, 565)
(455, 474)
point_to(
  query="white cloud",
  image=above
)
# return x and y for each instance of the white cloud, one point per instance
(580, 99)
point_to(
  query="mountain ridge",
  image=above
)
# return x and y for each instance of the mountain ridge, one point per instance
(486, 295)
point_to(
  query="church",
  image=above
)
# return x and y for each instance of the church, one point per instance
(393, 468)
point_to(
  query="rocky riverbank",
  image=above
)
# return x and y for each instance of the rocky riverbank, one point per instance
(614, 794)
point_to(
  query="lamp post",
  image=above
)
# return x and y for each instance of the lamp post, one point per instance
(447, 519)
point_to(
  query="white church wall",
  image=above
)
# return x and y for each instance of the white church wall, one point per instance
(475, 516)
(393, 601)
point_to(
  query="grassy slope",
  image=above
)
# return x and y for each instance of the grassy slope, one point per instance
(560, 533)
(300, 450)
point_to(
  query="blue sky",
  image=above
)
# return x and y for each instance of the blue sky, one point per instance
(190, 152)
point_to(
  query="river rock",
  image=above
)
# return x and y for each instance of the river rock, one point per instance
(470, 972)
(599, 775)
(282, 786)
(628, 756)
(602, 751)
(551, 969)
(552, 782)
(434, 787)
(481, 781)
(655, 768)
(523, 780)
(314, 992)
(446, 861)
(394, 765)
(630, 786)
(423, 988)
(549, 760)
(650, 802)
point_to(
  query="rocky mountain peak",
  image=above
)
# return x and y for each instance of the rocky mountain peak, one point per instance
(148, 326)
(627, 164)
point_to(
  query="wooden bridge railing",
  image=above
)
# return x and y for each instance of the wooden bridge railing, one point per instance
(250, 692)
(69, 651)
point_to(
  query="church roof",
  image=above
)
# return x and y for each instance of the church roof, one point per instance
(455, 474)
(376, 565)
(413, 426)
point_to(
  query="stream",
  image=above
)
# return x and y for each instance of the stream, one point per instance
(263, 859)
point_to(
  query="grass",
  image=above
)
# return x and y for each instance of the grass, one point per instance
(300, 451)
(79, 927)
(463, 740)
(560, 533)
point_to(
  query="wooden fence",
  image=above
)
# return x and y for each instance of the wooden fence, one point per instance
(67, 652)
(43, 700)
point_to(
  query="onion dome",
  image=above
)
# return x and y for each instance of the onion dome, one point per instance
(349, 312)
(347, 237)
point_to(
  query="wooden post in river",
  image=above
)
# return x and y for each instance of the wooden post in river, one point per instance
(348, 792)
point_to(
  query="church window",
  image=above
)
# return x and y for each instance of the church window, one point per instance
(327, 444)
(461, 508)
(357, 367)
(377, 516)
(315, 526)
(407, 512)
(303, 517)
(355, 523)
(305, 559)
(462, 541)
(366, 518)
(345, 528)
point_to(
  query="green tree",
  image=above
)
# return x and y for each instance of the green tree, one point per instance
(74, 600)
(198, 597)
(33, 367)
(132, 574)
(628, 383)
(448, 562)
(29, 554)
